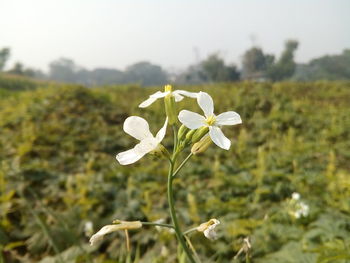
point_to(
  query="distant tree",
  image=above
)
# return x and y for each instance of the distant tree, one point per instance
(255, 63)
(83, 76)
(233, 73)
(285, 66)
(105, 76)
(19, 69)
(215, 70)
(330, 67)
(146, 74)
(63, 69)
(193, 75)
(4, 56)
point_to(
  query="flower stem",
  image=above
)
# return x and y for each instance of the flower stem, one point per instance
(177, 229)
(193, 249)
(189, 231)
(157, 224)
(182, 164)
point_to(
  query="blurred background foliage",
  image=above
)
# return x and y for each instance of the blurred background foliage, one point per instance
(58, 173)
(256, 65)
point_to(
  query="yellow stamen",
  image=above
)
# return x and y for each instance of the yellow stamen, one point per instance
(210, 120)
(167, 88)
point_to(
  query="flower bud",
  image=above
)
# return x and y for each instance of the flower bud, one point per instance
(170, 106)
(188, 137)
(182, 132)
(202, 145)
(199, 134)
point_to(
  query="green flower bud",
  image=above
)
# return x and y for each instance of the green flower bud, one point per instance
(189, 136)
(170, 106)
(182, 132)
(202, 145)
(199, 134)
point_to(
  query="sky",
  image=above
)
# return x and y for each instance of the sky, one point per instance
(170, 33)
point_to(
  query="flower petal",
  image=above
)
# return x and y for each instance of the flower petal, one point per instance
(228, 118)
(206, 103)
(178, 97)
(145, 146)
(152, 98)
(141, 149)
(210, 231)
(129, 157)
(186, 93)
(102, 232)
(147, 102)
(208, 228)
(161, 133)
(159, 94)
(191, 119)
(219, 138)
(137, 127)
(111, 228)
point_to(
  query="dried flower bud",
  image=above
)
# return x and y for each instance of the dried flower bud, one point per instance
(202, 145)
(117, 225)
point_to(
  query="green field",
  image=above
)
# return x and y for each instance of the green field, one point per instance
(58, 172)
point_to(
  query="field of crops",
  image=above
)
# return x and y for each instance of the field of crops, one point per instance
(58, 174)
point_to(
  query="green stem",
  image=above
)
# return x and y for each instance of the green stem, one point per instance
(193, 249)
(175, 139)
(189, 231)
(156, 224)
(177, 229)
(182, 164)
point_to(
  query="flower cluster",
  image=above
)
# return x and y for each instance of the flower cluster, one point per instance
(298, 208)
(210, 124)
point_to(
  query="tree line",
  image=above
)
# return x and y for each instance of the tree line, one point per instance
(256, 65)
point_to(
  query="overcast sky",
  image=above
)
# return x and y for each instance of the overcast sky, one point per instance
(171, 33)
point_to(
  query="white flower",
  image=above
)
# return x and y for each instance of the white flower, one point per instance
(208, 228)
(138, 128)
(300, 209)
(119, 225)
(304, 209)
(296, 196)
(177, 94)
(194, 120)
(297, 214)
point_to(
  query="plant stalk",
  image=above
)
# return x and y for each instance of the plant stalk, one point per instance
(182, 164)
(177, 229)
(157, 224)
